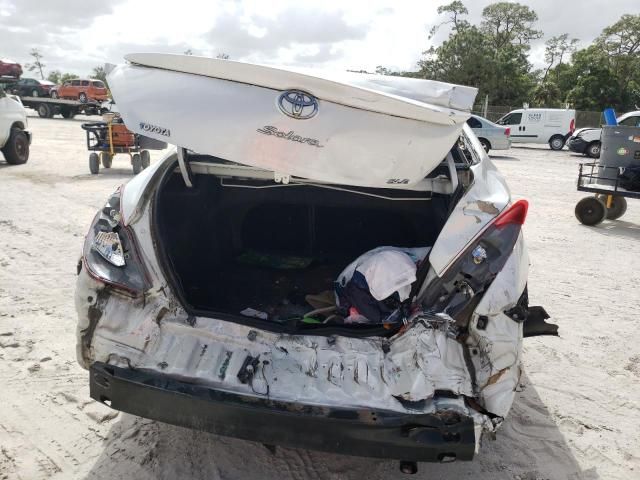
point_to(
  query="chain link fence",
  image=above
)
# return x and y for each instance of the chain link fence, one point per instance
(495, 112)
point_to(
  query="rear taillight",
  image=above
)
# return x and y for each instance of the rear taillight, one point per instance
(516, 213)
(507, 131)
(459, 290)
(572, 125)
(110, 253)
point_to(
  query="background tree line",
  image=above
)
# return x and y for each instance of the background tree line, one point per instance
(494, 57)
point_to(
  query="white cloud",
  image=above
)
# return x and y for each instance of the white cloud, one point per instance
(76, 35)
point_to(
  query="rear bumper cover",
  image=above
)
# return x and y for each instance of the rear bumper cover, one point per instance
(577, 145)
(382, 434)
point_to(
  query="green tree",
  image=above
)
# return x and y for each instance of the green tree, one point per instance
(455, 10)
(621, 44)
(555, 50)
(59, 78)
(605, 73)
(54, 76)
(100, 73)
(509, 23)
(491, 57)
(37, 64)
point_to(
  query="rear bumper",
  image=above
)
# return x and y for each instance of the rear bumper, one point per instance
(577, 145)
(350, 431)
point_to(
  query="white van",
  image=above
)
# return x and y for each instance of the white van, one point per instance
(540, 125)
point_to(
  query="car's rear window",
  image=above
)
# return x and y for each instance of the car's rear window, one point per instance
(97, 84)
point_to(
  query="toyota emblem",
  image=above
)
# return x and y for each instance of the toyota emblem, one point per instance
(298, 104)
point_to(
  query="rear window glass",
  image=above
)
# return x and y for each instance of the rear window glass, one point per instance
(474, 123)
(75, 83)
(97, 84)
(631, 122)
(85, 83)
(512, 119)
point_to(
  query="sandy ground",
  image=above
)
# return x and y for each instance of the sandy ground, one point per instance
(576, 416)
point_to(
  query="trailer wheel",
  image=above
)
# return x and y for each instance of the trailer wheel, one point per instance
(618, 206)
(556, 142)
(44, 111)
(106, 159)
(94, 163)
(591, 211)
(16, 150)
(145, 156)
(136, 163)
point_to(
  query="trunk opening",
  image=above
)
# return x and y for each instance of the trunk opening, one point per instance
(232, 244)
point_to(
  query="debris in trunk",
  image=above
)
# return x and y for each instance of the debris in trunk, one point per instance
(374, 287)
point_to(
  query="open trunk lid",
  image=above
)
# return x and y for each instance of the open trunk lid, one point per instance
(354, 129)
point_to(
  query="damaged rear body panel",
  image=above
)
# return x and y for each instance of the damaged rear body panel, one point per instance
(213, 295)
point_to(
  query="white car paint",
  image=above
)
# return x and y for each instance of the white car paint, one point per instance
(494, 135)
(12, 113)
(539, 125)
(155, 333)
(359, 136)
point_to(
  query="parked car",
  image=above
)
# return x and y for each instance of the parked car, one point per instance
(15, 137)
(291, 285)
(540, 125)
(587, 140)
(81, 89)
(9, 68)
(31, 87)
(491, 136)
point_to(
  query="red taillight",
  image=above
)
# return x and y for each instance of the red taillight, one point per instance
(516, 213)
(507, 131)
(572, 125)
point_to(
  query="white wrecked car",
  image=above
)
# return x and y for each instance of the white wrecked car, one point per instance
(219, 290)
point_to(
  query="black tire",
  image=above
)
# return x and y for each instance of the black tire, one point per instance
(145, 156)
(67, 113)
(136, 163)
(106, 159)
(54, 94)
(618, 206)
(556, 142)
(82, 97)
(94, 163)
(44, 111)
(591, 211)
(485, 144)
(593, 149)
(16, 150)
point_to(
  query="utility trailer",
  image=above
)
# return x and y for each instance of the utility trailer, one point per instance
(48, 107)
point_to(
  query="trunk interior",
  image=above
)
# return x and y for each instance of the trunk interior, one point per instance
(234, 244)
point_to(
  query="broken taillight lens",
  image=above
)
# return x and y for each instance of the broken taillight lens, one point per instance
(507, 131)
(110, 253)
(459, 290)
(516, 213)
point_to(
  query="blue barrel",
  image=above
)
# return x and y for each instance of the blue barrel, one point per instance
(610, 117)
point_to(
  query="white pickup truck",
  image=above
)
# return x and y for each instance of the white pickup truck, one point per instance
(14, 136)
